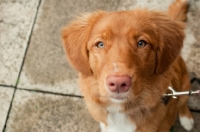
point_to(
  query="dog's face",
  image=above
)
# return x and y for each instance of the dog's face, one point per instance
(126, 52)
(121, 49)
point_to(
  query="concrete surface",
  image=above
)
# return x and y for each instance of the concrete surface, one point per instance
(38, 112)
(43, 92)
(194, 100)
(16, 21)
(5, 100)
(191, 50)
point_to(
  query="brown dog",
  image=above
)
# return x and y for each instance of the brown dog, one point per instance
(127, 60)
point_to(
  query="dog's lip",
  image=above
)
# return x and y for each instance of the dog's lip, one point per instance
(118, 97)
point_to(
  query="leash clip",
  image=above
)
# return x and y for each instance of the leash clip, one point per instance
(173, 92)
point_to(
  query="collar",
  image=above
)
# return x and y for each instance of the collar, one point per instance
(165, 98)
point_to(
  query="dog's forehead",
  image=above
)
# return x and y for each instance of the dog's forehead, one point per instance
(124, 22)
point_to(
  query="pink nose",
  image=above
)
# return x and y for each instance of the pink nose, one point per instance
(118, 84)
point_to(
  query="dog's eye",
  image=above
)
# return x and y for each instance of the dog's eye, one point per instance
(141, 44)
(100, 45)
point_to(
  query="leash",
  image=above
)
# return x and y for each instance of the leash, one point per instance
(166, 97)
(174, 94)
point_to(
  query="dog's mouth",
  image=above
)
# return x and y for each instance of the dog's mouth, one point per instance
(118, 98)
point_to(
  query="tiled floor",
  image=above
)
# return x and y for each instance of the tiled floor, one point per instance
(37, 85)
(35, 112)
(5, 99)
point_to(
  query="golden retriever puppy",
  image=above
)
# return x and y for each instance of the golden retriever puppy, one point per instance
(126, 61)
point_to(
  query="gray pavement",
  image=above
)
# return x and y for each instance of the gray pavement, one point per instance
(38, 88)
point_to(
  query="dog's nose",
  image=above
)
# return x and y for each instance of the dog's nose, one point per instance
(118, 84)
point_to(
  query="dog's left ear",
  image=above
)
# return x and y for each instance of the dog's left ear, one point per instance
(75, 38)
(170, 38)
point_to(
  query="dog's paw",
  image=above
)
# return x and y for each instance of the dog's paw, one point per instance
(102, 127)
(187, 123)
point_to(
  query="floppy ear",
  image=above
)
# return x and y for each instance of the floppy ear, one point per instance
(171, 35)
(75, 38)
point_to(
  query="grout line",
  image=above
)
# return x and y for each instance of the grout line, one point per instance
(28, 43)
(15, 87)
(41, 91)
(9, 111)
(47, 92)
(7, 86)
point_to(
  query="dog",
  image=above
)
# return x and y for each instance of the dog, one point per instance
(126, 61)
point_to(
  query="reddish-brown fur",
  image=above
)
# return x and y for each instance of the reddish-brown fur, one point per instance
(152, 68)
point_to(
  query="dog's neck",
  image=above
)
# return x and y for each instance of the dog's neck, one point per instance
(117, 121)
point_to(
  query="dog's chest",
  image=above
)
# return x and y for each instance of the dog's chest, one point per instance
(117, 122)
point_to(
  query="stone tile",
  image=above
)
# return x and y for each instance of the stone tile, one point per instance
(37, 112)
(179, 128)
(5, 100)
(16, 20)
(45, 66)
(191, 50)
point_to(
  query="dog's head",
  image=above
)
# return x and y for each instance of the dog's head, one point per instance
(126, 52)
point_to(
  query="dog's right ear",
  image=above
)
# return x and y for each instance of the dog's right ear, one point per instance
(75, 38)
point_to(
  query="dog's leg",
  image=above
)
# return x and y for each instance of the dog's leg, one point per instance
(186, 118)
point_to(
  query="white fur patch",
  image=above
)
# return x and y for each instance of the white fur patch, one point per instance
(117, 122)
(115, 67)
(187, 123)
(103, 127)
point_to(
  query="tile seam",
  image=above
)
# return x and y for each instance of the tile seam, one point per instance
(7, 86)
(15, 87)
(28, 43)
(52, 93)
